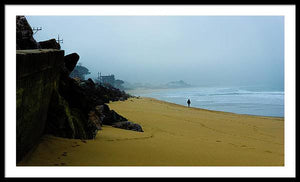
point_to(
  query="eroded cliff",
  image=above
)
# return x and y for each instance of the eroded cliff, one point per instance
(37, 77)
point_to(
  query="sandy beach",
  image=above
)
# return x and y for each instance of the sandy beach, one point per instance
(174, 135)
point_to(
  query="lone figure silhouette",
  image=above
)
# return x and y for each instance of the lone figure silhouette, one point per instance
(188, 102)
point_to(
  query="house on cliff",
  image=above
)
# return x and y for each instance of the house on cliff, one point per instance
(109, 79)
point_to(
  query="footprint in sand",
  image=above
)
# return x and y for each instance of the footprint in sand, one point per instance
(243, 145)
(268, 151)
(64, 154)
(218, 141)
(83, 141)
(232, 144)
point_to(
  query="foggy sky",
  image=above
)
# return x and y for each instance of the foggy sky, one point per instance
(201, 50)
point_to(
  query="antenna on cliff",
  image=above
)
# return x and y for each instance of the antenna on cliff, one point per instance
(59, 40)
(36, 29)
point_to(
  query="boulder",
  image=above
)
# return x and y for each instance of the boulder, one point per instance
(99, 111)
(49, 44)
(24, 33)
(71, 61)
(112, 117)
(127, 125)
(94, 118)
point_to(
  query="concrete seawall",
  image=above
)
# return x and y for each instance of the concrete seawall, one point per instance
(38, 73)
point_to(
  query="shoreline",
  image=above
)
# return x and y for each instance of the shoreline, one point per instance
(209, 110)
(174, 135)
(257, 105)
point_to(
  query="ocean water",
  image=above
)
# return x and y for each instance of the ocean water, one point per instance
(241, 100)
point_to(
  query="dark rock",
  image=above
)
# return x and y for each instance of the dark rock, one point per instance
(128, 126)
(83, 128)
(64, 121)
(49, 44)
(86, 95)
(117, 117)
(60, 120)
(72, 114)
(49, 101)
(76, 109)
(94, 118)
(37, 77)
(75, 95)
(67, 122)
(24, 33)
(91, 82)
(112, 117)
(106, 109)
(99, 110)
(71, 61)
(91, 129)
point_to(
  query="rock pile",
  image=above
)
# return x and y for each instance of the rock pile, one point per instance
(49, 101)
(77, 108)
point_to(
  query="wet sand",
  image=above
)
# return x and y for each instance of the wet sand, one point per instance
(174, 135)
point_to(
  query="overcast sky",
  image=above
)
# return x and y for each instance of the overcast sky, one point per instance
(201, 50)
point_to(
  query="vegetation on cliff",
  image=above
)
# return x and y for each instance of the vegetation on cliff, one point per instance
(80, 72)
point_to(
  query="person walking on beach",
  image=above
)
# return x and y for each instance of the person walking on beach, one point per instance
(188, 102)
